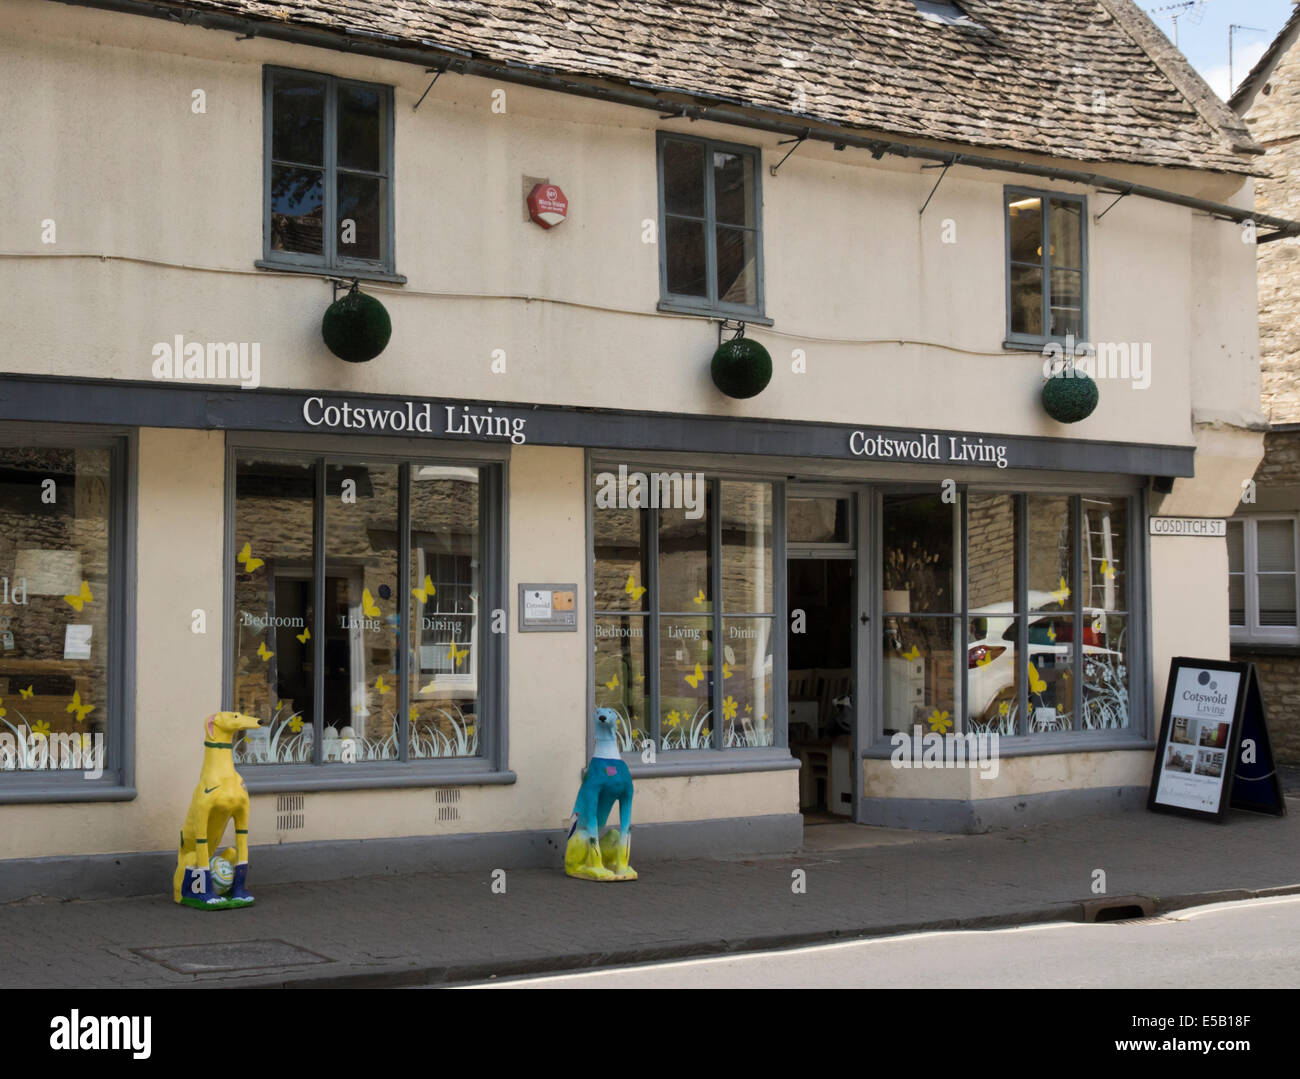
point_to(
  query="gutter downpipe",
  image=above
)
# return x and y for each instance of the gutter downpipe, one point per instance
(441, 58)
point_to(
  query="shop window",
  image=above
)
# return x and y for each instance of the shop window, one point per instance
(1262, 560)
(1046, 266)
(329, 167)
(711, 240)
(1046, 613)
(337, 565)
(61, 615)
(683, 601)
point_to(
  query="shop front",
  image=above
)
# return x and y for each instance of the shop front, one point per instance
(793, 621)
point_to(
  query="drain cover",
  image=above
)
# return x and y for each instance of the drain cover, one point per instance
(230, 955)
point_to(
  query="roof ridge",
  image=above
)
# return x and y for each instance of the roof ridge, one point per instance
(1244, 96)
(1186, 79)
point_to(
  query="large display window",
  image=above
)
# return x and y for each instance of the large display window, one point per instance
(358, 628)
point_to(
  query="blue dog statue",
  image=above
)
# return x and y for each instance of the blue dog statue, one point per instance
(590, 854)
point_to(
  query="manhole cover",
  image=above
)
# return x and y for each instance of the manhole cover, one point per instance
(230, 955)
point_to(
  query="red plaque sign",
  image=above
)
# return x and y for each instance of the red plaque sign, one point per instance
(547, 205)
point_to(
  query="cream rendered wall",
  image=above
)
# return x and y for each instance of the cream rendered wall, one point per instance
(99, 114)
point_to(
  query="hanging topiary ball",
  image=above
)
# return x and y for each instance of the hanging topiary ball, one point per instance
(1070, 396)
(356, 327)
(741, 368)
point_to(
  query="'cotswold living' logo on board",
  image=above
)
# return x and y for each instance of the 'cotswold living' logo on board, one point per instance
(406, 417)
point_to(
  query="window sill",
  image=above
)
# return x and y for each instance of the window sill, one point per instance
(1264, 648)
(340, 273)
(31, 787)
(1032, 346)
(272, 779)
(711, 762)
(713, 315)
(1034, 745)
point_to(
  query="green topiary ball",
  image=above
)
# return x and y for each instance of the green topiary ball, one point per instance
(356, 327)
(1069, 400)
(741, 368)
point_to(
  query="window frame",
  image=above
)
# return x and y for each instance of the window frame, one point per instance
(1018, 340)
(718, 759)
(330, 261)
(118, 780)
(710, 304)
(490, 766)
(1252, 632)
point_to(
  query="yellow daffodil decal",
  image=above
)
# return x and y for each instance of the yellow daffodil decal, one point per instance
(42, 728)
(694, 679)
(674, 718)
(246, 557)
(295, 724)
(263, 652)
(368, 604)
(425, 593)
(81, 598)
(940, 721)
(80, 711)
(729, 707)
(1004, 708)
(636, 591)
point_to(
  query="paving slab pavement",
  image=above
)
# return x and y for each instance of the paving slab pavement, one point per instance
(442, 928)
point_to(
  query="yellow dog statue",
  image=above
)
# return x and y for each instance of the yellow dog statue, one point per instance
(220, 795)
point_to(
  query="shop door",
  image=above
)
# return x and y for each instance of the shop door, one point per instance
(825, 598)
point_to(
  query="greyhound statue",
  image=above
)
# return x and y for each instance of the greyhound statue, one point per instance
(219, 795)
(588, 854)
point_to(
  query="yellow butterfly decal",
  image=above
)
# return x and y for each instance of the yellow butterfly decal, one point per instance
(1107, 570)
(640, 677)
(80, 600)
(1036, 684)
(694, 679)
(700, 597)
(612, 683)
(633, 589)
(1061, 594)
(368, 603)
(1004, 708)
(749, 708)
(457, 654)
(426, 593)
(81, 710)
(379, 684)
(912, 653)
(246, 557)
(25, 693)
(304, 636)
(263, 652)
(726, 671)
(1051, 633)
(3, 711)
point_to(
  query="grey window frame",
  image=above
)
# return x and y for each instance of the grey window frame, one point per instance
(330, 261)
(117, 784)
(491, 765)
(711, 305)
(1252, 633)
(1139, 733)
(1030, 341)
(717, 759)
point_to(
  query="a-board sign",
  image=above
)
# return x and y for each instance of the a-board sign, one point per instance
(1214, 750)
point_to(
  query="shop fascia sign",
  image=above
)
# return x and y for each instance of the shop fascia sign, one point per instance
(922, 447)
(410, 417)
